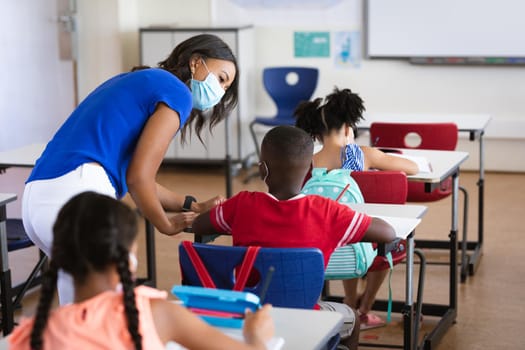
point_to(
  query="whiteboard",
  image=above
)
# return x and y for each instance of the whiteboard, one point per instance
(445, 28)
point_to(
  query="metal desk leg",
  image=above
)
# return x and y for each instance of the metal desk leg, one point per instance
(228, 158)
(5, 278)
(408, 311)
(450, 311)
(476, 256)
(150, 255)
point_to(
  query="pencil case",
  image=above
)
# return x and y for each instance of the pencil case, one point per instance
(218, 307)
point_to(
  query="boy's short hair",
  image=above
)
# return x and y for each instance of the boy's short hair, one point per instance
(288, 143)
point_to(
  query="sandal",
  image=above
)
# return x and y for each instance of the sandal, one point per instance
(370, 321)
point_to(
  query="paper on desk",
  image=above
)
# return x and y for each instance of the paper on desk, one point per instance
(422, 163)
(402, 226)
(276, 343)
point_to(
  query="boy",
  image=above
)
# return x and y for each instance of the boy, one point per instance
(284, 217)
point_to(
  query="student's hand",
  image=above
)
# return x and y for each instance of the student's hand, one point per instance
(258, 326)
(201, 207)
(180, 221)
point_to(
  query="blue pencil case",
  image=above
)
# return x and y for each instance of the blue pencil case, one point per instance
(218, 307)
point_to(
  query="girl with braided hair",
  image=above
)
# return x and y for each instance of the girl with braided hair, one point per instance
(95, 242)
(333, 122)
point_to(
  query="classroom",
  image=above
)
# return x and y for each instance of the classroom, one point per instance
(410, 61)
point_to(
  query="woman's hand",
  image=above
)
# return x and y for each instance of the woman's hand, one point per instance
(180, 221)
(258, 326)
(202, 207)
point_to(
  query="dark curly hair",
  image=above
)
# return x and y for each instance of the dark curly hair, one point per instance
(341, 107)
(207, 46)
(91, 232)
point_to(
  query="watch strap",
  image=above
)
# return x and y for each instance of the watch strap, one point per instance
(186, 206)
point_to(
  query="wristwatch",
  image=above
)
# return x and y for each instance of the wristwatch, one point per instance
(186, 206)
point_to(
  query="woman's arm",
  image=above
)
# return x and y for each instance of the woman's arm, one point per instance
(175, 323)
(149, 153)
(377, 159)
(173, 202)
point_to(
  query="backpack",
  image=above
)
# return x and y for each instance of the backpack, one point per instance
(353, 260)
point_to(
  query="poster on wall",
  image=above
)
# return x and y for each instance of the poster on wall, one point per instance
(345, 13)
(312, 44)
(347, 49)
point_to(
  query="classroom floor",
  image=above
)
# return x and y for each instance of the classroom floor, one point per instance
(491, 303)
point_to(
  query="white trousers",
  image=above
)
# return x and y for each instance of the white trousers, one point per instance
(43, 199)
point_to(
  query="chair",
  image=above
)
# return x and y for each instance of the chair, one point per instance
(433, 136)
(17, 239)
(386, 187)
(296, 282)
(287, 86)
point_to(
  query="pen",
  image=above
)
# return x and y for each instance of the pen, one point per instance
(342, 192)
(430, 167)
(266, 284)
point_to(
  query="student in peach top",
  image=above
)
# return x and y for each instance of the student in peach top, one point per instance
(95, 241)
(333, 121)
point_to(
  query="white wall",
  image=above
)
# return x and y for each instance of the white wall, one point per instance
(99, 44)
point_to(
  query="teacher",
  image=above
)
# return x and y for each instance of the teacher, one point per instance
(115, 140)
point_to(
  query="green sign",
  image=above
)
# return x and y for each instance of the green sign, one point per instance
(312, 44)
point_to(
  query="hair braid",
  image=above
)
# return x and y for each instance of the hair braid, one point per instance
(47, 293)
(128, 292)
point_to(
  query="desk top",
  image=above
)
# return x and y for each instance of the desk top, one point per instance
(404, 218)
(25, 156)
(395, 210)
(465, 122)
(443, 164)
(7, 198)
(302, 329)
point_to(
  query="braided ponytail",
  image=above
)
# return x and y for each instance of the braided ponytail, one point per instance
(128, 295)
(47, 293)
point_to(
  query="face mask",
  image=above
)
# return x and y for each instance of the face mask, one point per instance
(133, 262)
(207, 93)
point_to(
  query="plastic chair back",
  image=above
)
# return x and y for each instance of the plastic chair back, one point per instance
(386, 187)
(288, 86)
(16, 235)
(433, 136)
(296, 282)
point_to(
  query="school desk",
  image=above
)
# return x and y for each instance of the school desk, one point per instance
(444, 164)
(404, 218)
(300, 328)
(5, 272)
(473, 124)
(26, 157)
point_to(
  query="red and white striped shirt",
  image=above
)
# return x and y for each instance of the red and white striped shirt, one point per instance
(260, 219)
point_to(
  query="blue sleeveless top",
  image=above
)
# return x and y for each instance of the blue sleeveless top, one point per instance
(352, 157)
(106, 126)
